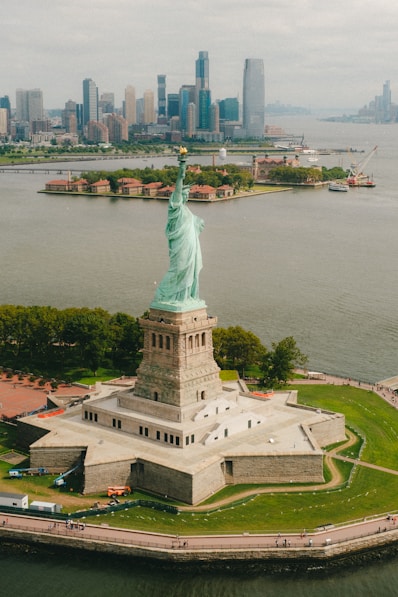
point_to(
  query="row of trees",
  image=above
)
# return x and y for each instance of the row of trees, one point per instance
(236, 348)
(235, 177)
(302, 175)
(53, 342)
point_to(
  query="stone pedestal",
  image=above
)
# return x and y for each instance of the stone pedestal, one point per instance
(178, 367)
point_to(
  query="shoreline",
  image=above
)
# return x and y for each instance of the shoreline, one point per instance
(240, 195)
(315, 553)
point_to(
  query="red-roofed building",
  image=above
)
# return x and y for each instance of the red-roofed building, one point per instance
(79, 185)
(204, 192)
(58, 185)
(224, 191)
(129, 186)
(151, 189)
(101, 186)
(166, 191)
(263, 166)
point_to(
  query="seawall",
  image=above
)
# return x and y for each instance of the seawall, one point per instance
(357, 552)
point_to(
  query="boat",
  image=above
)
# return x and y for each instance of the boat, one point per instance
(341, 187)
(361, 181)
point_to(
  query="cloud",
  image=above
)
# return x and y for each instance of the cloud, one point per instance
(315, 53)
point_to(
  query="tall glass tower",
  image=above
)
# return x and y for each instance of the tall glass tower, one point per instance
(202, 71)
(253, 98)
(162, 98)
(90, 101)
(201, 81)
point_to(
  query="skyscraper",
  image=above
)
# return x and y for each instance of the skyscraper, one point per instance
(161, 99)
(202, 71)
(201, 81)
(149, 107)
(90, 101)
(253, 98)
(130, 108)
(203, 107)
(29, 105)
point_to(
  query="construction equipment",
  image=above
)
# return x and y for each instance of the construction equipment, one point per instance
(18, 473)
(116, 490)
(60, 481)
(356, 176)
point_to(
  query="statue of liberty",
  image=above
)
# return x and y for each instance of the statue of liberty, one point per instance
(179, 289)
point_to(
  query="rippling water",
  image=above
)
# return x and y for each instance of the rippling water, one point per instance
(317, 265)
(75, 575)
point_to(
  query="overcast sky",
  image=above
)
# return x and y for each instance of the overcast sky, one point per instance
(317, 53)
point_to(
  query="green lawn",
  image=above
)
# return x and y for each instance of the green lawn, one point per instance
(365, 492)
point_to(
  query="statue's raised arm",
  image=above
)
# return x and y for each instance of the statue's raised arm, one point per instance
(179, 289)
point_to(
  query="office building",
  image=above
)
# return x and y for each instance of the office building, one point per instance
(3, 122)
(149, 107)
(69, 119)
(253, 98)
(90, 101)
(203, 107)
(130, 108)
(214, 122)
(186, 96)
(229, 109)
(201, 81)
(162, 115)
(117, 127)
(173, 105)
(97, 132)
(29, 105)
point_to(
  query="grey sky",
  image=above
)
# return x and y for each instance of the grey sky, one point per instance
(316, 53)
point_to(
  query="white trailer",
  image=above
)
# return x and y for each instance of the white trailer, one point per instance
(14, 500)
(45, 506)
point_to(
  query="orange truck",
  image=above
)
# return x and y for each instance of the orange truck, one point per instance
(117, 490)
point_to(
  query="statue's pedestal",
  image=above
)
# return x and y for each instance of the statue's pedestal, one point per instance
(178, 367)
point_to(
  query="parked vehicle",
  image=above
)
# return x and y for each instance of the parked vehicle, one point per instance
(117, 490)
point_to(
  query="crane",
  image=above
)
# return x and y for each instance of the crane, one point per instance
(356, 172)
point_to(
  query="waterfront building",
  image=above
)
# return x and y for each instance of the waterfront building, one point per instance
(253, 98)
(90, 101)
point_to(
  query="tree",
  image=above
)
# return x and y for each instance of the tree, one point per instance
(88, 330)
(236, 348)
(278, 365)
(126, 340)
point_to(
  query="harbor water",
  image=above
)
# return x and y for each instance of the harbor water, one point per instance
(312, 264)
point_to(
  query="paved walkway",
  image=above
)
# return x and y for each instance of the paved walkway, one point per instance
(244, 541)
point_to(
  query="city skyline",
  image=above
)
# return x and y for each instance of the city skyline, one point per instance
(315, 55)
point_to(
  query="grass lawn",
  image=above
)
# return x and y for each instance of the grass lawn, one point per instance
(365, 492)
